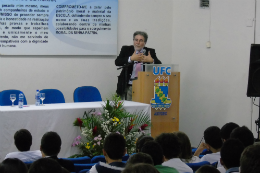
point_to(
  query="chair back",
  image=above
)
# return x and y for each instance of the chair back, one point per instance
(87, 94)
(100, 158)
(5, 97)
(79, 160)
(52, 96)
(196, 166)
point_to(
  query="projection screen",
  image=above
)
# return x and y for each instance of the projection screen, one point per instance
(58, 27)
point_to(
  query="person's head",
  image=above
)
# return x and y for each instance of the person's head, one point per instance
(226, 130)
(23, 140)
(50, 144)
(45, 165)
(13, 165)
(140, 142)
(186, 152)
(114, 146)
(140, 158)
(140, 168)
(140, 38)
(207, 169)
(230, 153)
(244, 135)
(155, 151)
(170, 144)
(212, 138)
(250, 159)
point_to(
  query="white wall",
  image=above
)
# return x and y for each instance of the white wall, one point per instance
(213, 81)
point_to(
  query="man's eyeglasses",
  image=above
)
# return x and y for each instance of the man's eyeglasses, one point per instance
(136, 40)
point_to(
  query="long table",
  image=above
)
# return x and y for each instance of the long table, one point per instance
(51, 117)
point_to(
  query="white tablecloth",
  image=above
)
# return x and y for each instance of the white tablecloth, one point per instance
(51, 117)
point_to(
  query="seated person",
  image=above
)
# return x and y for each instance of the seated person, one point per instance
(226, 130)
(139, 158)
(244, 135)
(140, 168)
(50, 148)
(155, 151)
(250, 159)
(114, 149)
(141, 141)
(171, 147)
(230, 155)
(213, 143)
(23, 142)
(186, 151)
(207, 169)
(46, 165)
(13, 165)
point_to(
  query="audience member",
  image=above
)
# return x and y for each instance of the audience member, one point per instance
(13, 165)
(141, 141)
(213, 143)
(140, 168)
(230, 155)
(45, 165)
(226, 130)
(250, 159)
(50, 148)
(23, 142)
(207, 169)
(155, 151)
(244, 135)
(186, 151)
(139, 158)
(114, 150)
(171, 147)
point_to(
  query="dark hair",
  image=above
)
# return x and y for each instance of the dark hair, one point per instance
(250, 159)
(186, 152)
(142, 33)
(244, 135)
(154, 150)
(140, 142)
(140, 168)
(212, 137)
(45, 165)
(230, 153)
(207, 169)
(114, 145)
(13, 165)
(139, 158)
(51, 143)
(226, 130)
(23, 140)
(170, 144)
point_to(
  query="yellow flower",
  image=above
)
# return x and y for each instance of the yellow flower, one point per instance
(87, 147)
(119, 123)
(93, 146)
(87, 143)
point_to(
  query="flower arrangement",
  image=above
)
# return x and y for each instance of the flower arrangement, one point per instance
(95, 126)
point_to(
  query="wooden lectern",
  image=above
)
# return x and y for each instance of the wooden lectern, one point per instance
(150, 87)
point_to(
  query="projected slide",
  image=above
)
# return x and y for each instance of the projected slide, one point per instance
(58, 27)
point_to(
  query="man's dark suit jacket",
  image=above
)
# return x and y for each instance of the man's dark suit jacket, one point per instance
(122, 59)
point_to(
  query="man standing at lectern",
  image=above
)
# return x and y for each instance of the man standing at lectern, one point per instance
(135, 56)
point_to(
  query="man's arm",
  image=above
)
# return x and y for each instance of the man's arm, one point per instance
(122, 58)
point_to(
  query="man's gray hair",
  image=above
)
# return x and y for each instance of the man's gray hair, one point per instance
(142, 33)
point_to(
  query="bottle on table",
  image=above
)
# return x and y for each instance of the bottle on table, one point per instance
(20, 103)
(37, 98)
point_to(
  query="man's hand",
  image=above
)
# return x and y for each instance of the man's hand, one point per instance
(137, 57)
(148, 58)
(200, 149)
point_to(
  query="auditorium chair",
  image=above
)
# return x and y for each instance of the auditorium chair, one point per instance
(195, 166)
(5, 97)
(79, 160)
(86, 94)
(52, 96)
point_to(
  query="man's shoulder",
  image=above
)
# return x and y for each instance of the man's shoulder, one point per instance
(25, 156)
(110, 168)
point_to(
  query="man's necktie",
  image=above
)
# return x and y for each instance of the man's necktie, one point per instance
(138, 66)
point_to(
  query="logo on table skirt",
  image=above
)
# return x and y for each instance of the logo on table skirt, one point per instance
(161, 87)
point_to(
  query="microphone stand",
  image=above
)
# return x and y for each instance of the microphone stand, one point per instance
(125, 67)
